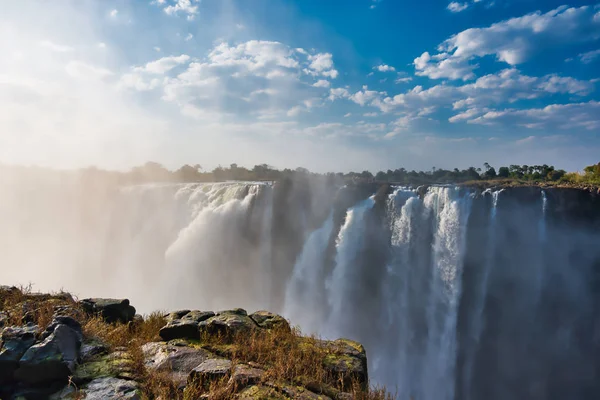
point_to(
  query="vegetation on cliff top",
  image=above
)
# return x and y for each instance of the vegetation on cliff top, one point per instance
(275, 362)
(519, 174)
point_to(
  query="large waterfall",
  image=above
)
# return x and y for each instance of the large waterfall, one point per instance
(456, 293)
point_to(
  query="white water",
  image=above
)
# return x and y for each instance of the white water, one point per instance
(305, 295)
(340, 285)
(477, 313)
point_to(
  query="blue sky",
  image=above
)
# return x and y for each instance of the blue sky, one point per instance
(328, 85)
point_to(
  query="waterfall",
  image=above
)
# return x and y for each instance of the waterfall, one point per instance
(477, 311)
(455, 294)
(306, 288)
(340, 284)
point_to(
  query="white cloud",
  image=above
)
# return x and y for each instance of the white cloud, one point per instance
(370, 114)
(347, 115)
(157, 49)
(338, 93)
(102, 45)
(443, 65)
(189, 37)
(457, 7)
(322, 64)
(589, 56)
(59, 48)
(163, 65)
(240, 26)
(82, 70)
(113, 13)
(322, 83)
(554, 116)
(188, 7)
(384, 68)
(512, 41)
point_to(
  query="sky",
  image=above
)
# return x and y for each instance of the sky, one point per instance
(330, 85)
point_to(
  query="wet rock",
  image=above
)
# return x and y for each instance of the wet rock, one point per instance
(101, 389)
(268, 320)
(244, 375)
(92, 348)
(348, 360)
(227, 325)
(210, 370)
(52, 360)
(184, 326)
(300, 393)
(112, 310)
(118, 364)
(179, 361)
(260, 392)
(236, 311)
(15, 342)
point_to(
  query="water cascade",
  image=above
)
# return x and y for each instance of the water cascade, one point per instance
(455, 293)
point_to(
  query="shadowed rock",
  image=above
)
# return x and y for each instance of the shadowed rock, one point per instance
(112, 310)
(269, 320)
(184, 324)
(15, 342)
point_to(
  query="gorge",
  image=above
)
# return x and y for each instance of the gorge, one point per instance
(455, 292)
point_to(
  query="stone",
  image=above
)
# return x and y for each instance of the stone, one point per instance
(52, 360)
(347, 359)
(244, 375)
(178, 361)
(300, 393)
(236, 311)
(210, 370)
(112, 310)
(3, 319)
(92, 348)
(15, 342)
(63, 320)
(184, 326)
(101, 389)
(227, 325)
(259, 393)
(117, 364)
(268, 320)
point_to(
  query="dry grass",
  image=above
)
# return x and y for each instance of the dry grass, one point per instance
(285, 355)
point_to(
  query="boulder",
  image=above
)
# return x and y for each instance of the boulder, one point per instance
(268, 320)
(92, 348)
(347, 360)
(178, 361)
(237, 311)
(63, 320)
(227, 325)
(15, 342)
(300, 393)
(112, 310)
(210, 370)
(244, 375)
(101, 389)
(52, 360)
(259, 393)
(118, 364)
(3, 319)
(184, 325)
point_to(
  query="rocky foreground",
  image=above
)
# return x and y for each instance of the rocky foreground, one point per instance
(53, 346)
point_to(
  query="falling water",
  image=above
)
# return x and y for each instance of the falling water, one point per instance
(517, 323)
(481, 289)
(340, 285)
(306, 289)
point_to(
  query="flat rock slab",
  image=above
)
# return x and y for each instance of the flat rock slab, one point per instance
(178, 361)
(227, 325)
(101, 389)
(244, 375)
(269, 320)
(118, 364)
(112, 310)
(210, 370)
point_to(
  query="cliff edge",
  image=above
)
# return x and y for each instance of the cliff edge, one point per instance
(54, 346)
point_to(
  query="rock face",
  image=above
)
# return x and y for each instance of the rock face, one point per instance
(15, 342)
(184, 324)
(112, 310)
(199, 348)
(52, 360)
(179, 361)
(210, 370)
